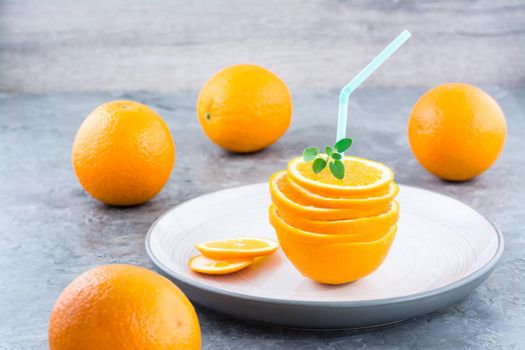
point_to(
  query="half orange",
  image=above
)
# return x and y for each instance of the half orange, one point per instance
(332, 263)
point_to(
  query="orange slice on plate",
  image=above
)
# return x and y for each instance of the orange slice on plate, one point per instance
(238, 248)
(209, 266)
(281, 196)
(361, 176)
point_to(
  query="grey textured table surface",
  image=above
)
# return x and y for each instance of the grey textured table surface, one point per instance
(51, 231)
(58, 61)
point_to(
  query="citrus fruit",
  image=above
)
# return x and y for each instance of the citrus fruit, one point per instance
(366, 234)
(209, 266)
(244, 108)
(281, 196)
(235, 248)
(123, 153)
(122, 307)
(332, 263)
(456, 131)
(360, 228)
(361, 176)
(300, 194)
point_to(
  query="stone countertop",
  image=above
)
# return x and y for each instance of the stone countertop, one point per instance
(60, 59)
(51, 230)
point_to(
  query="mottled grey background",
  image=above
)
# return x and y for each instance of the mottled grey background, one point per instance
(59, 59)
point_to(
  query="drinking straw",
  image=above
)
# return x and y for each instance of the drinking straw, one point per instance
(359, 78)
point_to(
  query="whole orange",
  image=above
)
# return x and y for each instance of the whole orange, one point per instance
(244, 108)
(456, 131)
(123, 307)
(123, 153)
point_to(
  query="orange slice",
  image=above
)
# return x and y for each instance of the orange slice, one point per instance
(360, 229)
(361, 176)
(300, 194)
(281, 194)
(209, 266)
(238, 248)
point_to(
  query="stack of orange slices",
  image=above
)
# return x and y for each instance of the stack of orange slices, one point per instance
(335, 230)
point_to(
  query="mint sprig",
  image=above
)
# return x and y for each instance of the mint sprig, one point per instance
(318, 165)
(333, 158)
(310, 153)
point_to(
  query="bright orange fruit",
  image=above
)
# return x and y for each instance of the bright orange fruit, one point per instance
(360, 229)
(123, 153)
(237, 248)
(331, 262)
(300, 194)
(122, 307)
(362, 176)
(210, 266)
(244, 108)
(281, 195)
(456, 131)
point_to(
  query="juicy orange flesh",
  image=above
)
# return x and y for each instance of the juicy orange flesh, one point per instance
(218, 264)
(206, 265)
(238, 244)
(284, 186)
(356, 174)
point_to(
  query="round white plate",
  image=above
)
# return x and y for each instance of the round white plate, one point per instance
(442, 251)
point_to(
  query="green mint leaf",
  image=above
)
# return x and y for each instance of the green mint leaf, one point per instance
(329, 150)
(338, 169)
(343, 144)
(310, 153)
(319, 165)
(337, 156)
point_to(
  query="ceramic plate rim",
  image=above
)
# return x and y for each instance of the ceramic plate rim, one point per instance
(489, 265)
